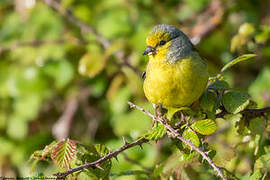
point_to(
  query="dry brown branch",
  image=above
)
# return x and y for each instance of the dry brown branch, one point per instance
(207, 21)
(62, 127)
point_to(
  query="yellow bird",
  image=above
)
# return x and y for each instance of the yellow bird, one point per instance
(176, 75)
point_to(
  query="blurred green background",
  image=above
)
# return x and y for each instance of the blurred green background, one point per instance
(57, 81)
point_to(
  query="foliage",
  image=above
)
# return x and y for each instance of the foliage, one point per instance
(47, 63)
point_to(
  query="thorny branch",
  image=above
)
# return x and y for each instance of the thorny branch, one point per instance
(173, 133)
(96, 164)
(170, 131)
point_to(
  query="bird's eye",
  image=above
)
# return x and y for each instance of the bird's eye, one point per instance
(162, 43)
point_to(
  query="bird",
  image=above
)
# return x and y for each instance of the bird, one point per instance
(176, 75)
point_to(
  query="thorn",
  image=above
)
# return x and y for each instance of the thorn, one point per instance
(131, 105)
(141, 146)
(116, 158)
(124, 140)
(207, 152)
(99, 167)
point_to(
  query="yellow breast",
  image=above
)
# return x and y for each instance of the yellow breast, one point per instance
(175, 85)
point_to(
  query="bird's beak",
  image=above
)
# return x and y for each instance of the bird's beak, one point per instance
(149, 50)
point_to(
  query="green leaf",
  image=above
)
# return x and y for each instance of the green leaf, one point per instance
(256, 175)
(61, 71)
(257, 125)
(17, 127)
(158, 170)
(192, 137)
(237, 60)
(157, 132)
(260, 87)
(246, 29)
(92, 63)
(235, 101)
(90, 154)
(204, 127)
(64, 152)
(263, 162)
(219, 85)
(208, 100)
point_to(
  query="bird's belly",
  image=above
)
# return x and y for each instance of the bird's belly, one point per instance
(175, 85)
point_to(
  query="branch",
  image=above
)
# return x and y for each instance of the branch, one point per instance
(88, 29)
(207, 21)
(62, 127)
(172, 132)
(96, 163)
(252, 113)
(247, 113)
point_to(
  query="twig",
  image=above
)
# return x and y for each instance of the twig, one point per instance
(252, 113)
(207, 21)
(96, 163)
(62, 127)
(172, 132)
(247, 113)
(88, 29)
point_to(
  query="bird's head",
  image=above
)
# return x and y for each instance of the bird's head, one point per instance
(168, 43)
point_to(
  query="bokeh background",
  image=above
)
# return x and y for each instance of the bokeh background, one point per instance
(72, 77)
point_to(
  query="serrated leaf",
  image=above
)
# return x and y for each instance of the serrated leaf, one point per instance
(235, 101)
(157, 132)
(204, 127)
(48, 149)
(208, 100)
(237, 60)
(90, 154)
(219, 85)
(101, 149)
(64, 152)
(192, 137)
(92, 63)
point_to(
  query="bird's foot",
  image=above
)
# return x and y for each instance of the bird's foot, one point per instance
(157, 113)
